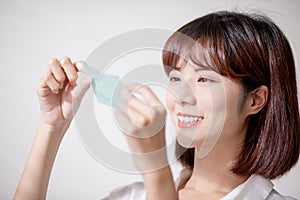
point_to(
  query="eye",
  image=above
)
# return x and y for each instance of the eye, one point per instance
(174, 78)
(203, 80)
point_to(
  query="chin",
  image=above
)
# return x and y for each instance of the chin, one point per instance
(187, 141)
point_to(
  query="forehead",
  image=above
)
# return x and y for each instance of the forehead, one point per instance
(181, 50)
(182, 64)
(198, 64)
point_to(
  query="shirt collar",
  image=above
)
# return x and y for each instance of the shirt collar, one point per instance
(256, 187)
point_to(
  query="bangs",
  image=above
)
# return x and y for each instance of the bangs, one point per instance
(203, 45)
(181, 49)
(176, 52)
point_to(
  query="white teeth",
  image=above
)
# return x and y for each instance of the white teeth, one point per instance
(189, 119)
(186, 119)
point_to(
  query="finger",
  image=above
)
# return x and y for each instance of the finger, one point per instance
(138, 104)
(138, 118)
(124, 122)
(73, 101)
(80, 66)
(42, 87)
(57, 71)
(137, 124)
(69, 69)
(51, 83)
(146, 93)
(80, 91)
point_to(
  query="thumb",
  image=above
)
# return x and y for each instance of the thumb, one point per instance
(79, 91)
(81, 66)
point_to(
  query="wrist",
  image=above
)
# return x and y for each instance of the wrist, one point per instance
(163, 174)
(52, 131)
(160, 184)
(152, 162)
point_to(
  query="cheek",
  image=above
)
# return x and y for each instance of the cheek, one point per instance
(214, 99)
(205, 100)
(228, 108)
(219, 102)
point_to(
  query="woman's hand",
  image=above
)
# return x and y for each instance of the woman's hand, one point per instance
(142, 120)
(59, 95)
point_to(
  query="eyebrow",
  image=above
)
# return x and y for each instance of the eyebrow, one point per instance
(199, 67)
(207, 70)
(202, 70)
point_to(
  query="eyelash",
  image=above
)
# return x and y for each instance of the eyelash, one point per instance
(202, 79)
(173, 78)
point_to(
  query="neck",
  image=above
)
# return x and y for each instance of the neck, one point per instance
(212, 174)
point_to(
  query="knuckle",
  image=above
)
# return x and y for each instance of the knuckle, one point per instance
(47, 77)
(52, 60)
(60, 78)
(162, 110)
(146, 88)
(143, 121)
(38, 91)
(65, 60)
(73, 77)
(54, 85)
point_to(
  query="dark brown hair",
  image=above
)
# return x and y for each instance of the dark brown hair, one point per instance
(251, 50)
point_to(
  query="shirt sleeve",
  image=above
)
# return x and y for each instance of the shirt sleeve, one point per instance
(134, 191)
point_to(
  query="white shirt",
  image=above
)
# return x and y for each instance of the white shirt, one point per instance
(255, 188)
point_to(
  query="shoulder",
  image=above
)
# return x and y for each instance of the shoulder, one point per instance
(258, 187)
(274, 195)
(134, 190)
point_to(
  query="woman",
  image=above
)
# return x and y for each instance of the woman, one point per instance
(232, 99)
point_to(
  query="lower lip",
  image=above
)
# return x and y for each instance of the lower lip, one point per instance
(187, 125)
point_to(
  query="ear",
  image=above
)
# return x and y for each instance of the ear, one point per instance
(257, 99)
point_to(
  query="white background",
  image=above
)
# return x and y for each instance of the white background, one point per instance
(31, 32)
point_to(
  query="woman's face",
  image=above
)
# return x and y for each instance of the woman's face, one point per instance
(204, 107)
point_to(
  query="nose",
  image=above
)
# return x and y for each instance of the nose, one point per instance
(184, 94)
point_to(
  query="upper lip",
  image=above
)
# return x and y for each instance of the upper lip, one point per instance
(188, 115)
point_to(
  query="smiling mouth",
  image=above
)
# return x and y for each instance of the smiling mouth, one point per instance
(187, 121)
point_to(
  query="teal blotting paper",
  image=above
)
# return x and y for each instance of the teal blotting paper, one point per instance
(107, 88)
